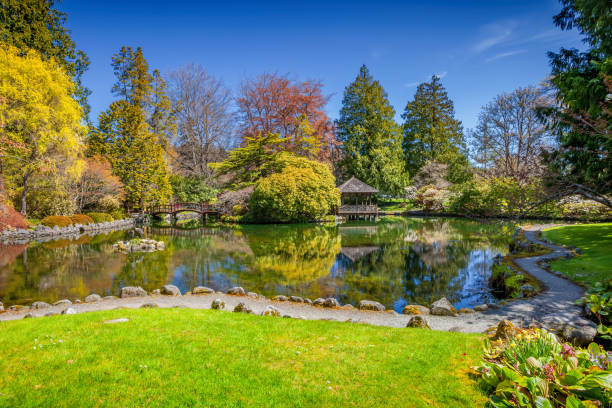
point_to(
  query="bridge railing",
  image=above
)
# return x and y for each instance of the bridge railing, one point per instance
(178, 207)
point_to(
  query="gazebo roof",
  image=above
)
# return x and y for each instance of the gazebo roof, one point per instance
(354, 185)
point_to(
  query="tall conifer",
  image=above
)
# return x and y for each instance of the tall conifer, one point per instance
(431, 132)
(129, 130)
(371, 138)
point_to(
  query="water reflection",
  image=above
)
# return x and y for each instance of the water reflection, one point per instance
(396, 262)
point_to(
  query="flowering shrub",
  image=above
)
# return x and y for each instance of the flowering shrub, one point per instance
(430, 198)
(532, 368)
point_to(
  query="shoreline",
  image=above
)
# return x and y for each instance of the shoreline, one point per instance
(553, 308)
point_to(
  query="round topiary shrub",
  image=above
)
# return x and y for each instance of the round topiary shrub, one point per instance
(81, 219)
(100, 217)
(303, 190)
(56, 221)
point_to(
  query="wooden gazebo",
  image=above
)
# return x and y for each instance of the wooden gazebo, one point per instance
(357, 199)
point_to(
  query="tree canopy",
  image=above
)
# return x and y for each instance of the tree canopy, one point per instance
(371, 138)
(39, 121)
(431, 132)
(132, 131)
(37, 25)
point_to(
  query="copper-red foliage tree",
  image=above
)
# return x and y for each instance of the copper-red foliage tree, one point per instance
(274, 103)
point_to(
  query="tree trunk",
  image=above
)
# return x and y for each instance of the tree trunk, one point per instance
(24, 193)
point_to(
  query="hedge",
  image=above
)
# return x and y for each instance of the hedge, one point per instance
(56, 221)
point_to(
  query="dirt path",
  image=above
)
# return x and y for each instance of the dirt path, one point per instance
(554, 307)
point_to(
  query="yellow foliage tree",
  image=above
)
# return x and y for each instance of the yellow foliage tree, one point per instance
(40, 126)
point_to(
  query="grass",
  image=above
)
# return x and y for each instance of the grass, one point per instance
(395, 204)
(595, 242)
(183, 357)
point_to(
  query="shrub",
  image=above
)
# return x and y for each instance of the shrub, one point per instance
(303, 190)
(598, 303)
(109, 203)
(10, 218)
(531, 367)
(81, 219)
(192, 189)
(119, 214)
(56, 220)
(430, 198)
(100, 217)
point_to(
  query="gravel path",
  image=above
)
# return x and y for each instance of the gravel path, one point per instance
(554, 307)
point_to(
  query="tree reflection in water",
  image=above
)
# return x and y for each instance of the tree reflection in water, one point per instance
(394, 261)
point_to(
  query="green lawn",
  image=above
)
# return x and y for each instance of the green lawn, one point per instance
(595, 242)
(395, 204)
(187, 358)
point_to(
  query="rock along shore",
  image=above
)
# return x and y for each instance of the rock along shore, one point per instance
(553, 309)
(42, 233)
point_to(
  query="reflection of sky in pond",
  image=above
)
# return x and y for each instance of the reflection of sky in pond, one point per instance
(396, 263)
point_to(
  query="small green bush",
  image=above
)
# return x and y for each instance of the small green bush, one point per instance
(81, 219)
(119, 214)
(100, 217)
(56, 220)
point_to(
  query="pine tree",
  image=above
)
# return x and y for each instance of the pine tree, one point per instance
(431, 132)
(371, 138)
(129, 130)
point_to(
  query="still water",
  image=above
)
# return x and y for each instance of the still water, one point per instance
(393, 261)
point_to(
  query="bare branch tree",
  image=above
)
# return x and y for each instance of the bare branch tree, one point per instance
(205, 120)
(510, 137)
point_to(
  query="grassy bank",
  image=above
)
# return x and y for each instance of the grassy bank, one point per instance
(595, 243)
(181, 357)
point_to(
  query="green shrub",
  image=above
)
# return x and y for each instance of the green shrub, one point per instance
(532, 368)
(303, 190)
(192, 189)
(598, 302)
(119, 214)
(56, 220)
(100, 217)
(81, 219)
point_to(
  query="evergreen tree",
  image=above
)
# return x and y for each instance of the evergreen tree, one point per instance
(129, 130)
(37, 25)
(431, 132)
(371, 138)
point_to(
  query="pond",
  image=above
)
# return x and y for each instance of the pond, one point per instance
(395, 261)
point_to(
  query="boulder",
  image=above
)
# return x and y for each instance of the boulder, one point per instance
(40, 305)
(149, 305)
(280, 298)
(252, 294)
(271, 311)
(318, 302)
(331, 302)
(68, 311)
(242, 308)
(577, 334)
(415, 310)
(170, 290)
(48, 314)
(418, 322)
(237, 291)
(132, 291)
(528, 290)
(63, 302)
(202, 290)
(93, 298)
(371, 305)
(28, 316)
(481, 308)
(217, 304)
(296, 299)
(458, 329)
(465, 310)
(443, 307)
(308, 301)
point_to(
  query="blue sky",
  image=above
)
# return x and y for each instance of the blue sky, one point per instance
(479, 48)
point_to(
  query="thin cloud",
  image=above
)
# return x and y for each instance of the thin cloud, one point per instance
(413, 84)
(496, 33)
(504, 55)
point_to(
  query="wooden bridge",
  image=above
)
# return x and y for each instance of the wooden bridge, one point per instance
(173, 209)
